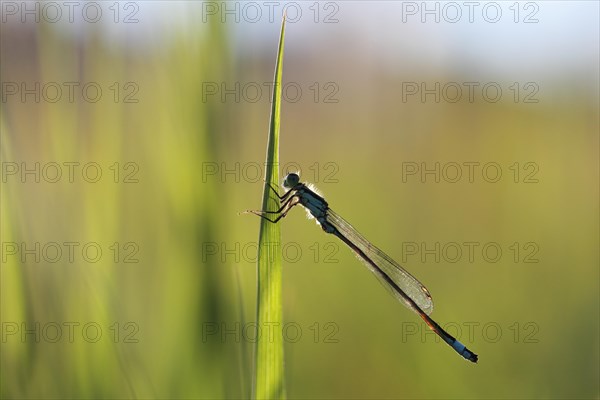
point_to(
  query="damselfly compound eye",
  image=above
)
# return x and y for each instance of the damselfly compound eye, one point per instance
(291, 180)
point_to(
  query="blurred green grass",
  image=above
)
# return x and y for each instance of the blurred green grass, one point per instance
(176, 292)
(169, 294)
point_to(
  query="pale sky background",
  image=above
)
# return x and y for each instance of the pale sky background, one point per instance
(565, 40)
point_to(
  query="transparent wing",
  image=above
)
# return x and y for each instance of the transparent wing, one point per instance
(405, 281)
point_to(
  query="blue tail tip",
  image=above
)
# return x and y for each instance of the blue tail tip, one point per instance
(471, 356)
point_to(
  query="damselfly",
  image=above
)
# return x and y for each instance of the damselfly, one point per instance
(400, 283)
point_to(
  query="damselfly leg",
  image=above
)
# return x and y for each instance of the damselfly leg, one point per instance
(288, 200)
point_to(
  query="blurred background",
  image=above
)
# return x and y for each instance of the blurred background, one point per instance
(460, 139)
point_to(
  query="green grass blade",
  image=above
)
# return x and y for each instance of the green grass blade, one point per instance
(269, 382)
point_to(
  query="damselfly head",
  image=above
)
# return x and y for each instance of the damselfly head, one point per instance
(291, 180)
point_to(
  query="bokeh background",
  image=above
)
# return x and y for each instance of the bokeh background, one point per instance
(178, 133)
